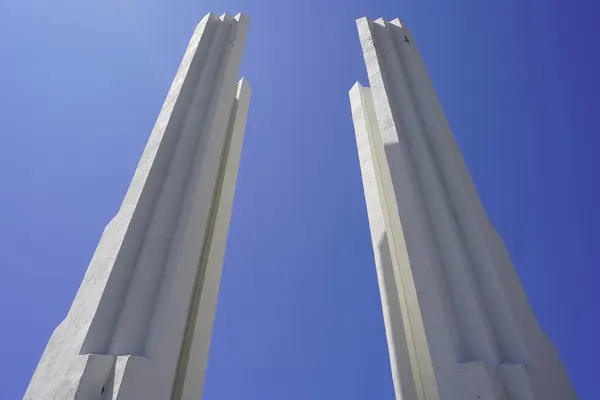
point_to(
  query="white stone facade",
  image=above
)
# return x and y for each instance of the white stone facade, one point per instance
(140, 324)
(457, 321)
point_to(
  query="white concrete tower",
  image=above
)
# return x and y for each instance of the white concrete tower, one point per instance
(140, 324)
(457, 321)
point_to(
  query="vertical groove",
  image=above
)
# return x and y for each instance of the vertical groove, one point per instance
(136, 314)
(466, 315)
(492, 294)
(206, 117)
(178, 286)
(182, 90)
(194, 351)
(415, 353)
(382, 52)
(195, 299)
(394, 290)
(435, 335)
(478, 343)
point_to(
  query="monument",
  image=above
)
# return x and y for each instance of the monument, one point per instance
(140, 324)
(457, 321)
(458, 324)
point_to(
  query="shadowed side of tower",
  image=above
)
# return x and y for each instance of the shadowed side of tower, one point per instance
(458, 324)
(140, 324)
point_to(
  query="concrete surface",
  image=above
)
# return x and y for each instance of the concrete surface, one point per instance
(458, 323)
(140, 324)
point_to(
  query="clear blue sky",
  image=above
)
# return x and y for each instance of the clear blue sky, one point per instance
(299, 315)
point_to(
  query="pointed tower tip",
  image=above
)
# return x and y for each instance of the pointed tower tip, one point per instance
(397, 22)
(243, 85)
(239, 17)
(206, 18)
(380, 21)
(356, 86)
(243, 89)
(357, 90)
(242, 19)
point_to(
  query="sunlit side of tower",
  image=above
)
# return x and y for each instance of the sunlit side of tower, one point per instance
(458, 324)
(140, 324)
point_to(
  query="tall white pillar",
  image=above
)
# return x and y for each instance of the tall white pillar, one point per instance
(458, 324)
(140, 324)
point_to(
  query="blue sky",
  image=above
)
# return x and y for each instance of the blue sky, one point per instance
(299, 314)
